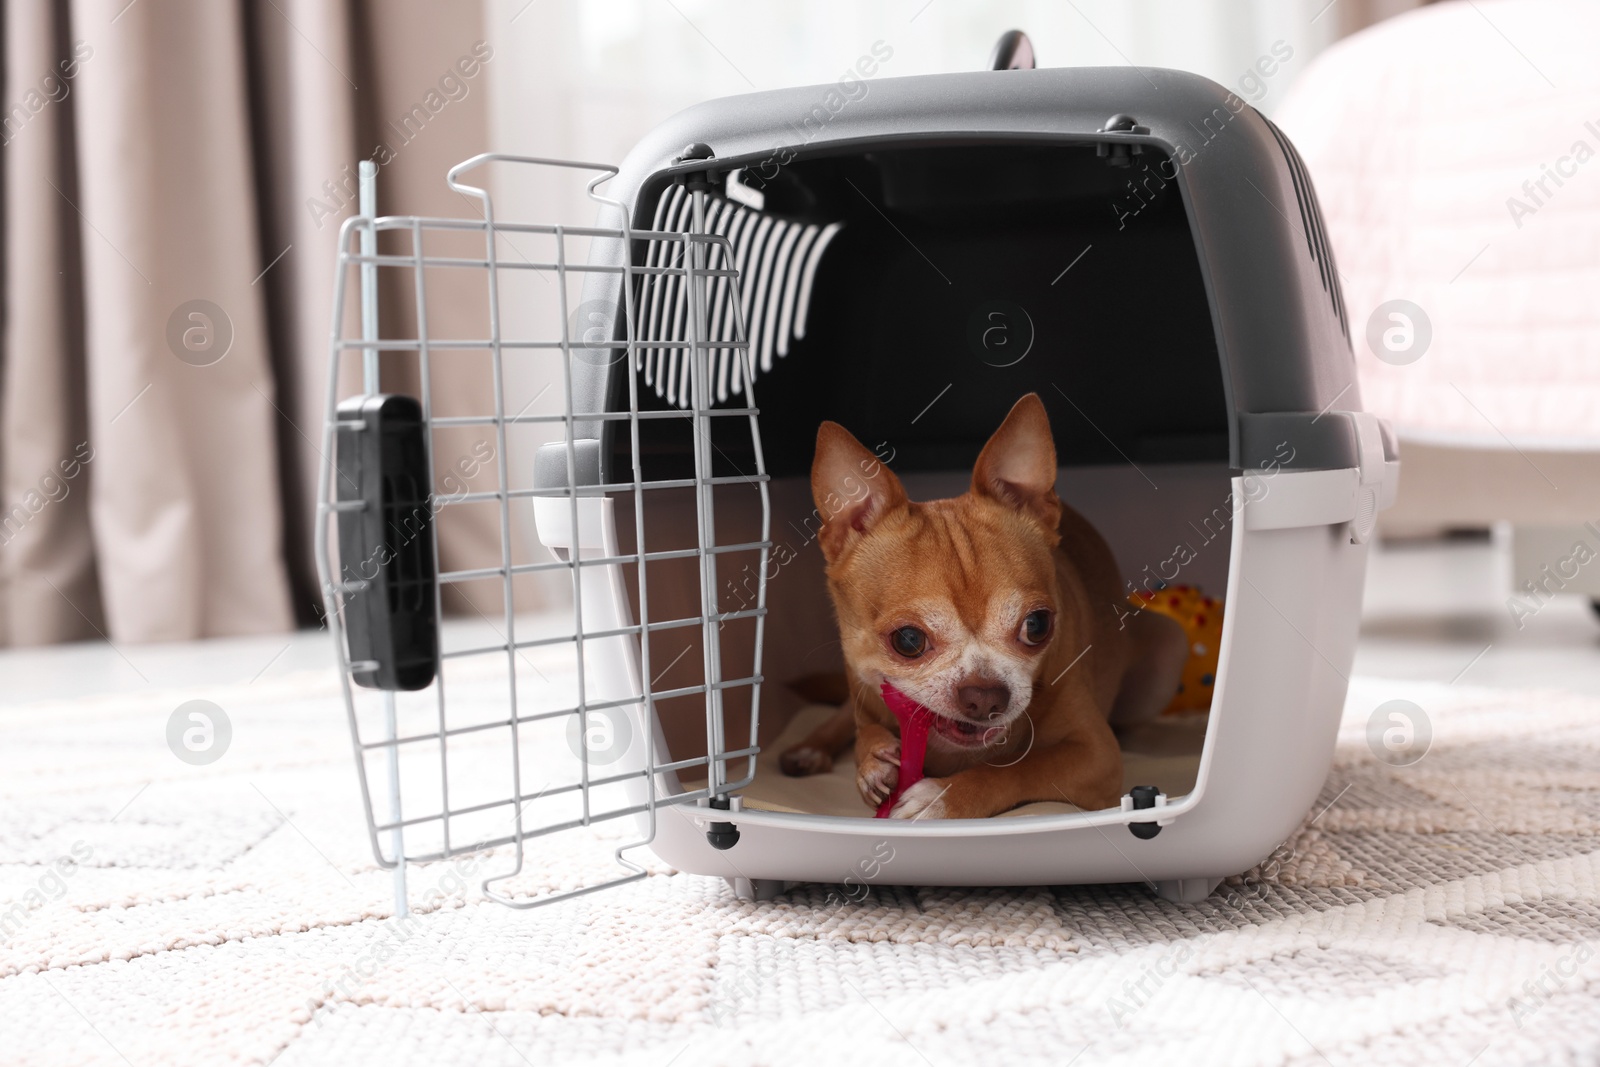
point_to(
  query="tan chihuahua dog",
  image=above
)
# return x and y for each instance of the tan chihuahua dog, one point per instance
(996, 611)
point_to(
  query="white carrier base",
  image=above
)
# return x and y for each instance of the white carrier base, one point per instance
(1296, 569)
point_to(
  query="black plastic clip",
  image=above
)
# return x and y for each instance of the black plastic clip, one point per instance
(1144, 796)
(721, 835)
(385, 525)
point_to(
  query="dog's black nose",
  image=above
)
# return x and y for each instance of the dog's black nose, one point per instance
(983, 699)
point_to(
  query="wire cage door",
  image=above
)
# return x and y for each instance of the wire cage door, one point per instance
(505, 728)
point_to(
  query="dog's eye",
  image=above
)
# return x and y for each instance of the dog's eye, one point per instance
(1035, 628)
(909, 641)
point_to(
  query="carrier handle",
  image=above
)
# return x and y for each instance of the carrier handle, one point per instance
(1013, 51)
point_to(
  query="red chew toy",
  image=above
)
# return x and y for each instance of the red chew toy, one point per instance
(914, 722)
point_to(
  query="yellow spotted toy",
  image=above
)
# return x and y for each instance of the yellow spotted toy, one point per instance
(1201, 619)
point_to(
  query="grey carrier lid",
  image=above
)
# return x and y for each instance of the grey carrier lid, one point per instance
(1273, 293)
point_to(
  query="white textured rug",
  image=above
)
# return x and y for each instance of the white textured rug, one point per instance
(157, 913)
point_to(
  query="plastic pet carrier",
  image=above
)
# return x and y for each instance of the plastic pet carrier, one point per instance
(1139, 247)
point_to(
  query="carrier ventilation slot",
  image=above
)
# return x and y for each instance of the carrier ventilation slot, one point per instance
(1311, 219)
(777, 259)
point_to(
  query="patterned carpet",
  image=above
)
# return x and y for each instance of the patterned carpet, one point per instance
(157, 913)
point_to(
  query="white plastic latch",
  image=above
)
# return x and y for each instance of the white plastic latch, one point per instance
(1160, 802)
(1369, 460)
(707, 814)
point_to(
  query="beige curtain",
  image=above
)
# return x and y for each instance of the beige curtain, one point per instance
(172, 179)
(162, 153)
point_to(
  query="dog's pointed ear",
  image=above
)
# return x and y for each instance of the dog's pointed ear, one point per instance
(1018, 465)
(851, 487)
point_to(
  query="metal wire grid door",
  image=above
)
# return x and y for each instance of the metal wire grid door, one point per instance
(428, 762)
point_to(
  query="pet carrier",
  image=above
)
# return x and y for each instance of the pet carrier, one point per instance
(906, 256)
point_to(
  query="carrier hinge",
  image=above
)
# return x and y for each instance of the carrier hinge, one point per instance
(1121, 155)
(1139, 798)
(722, 835)
(690, 170)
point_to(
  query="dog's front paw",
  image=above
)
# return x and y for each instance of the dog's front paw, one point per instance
(877, 773)
(925, 800)
(804, 760)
